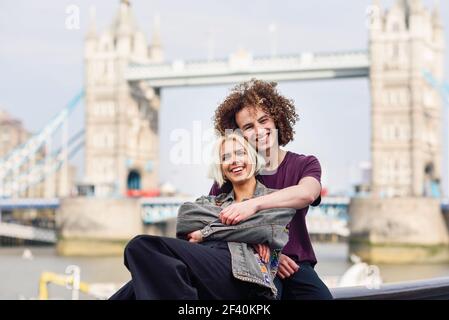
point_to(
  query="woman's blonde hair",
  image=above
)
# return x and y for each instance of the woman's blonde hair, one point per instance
(215, 171)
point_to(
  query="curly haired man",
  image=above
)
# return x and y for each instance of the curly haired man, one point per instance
(266, 119)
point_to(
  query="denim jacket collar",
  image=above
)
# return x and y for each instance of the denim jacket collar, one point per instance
(258, 191)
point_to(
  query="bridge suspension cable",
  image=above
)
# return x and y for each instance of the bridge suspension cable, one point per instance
(16, 176)
(442, 87)
(44, 168)
(21, 154)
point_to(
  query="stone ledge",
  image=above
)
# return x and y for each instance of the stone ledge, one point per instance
(394, 253)
(90, 247)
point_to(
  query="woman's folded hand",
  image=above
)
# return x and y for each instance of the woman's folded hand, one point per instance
(195, 236)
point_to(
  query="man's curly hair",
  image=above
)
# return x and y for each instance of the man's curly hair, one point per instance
(260, 93)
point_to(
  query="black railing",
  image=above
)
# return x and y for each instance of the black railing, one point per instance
(430, 289)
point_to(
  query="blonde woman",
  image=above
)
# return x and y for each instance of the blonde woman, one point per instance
(210, 260)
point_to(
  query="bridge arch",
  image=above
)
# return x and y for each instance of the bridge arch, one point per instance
(134, 180)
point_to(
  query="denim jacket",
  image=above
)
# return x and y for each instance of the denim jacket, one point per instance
(265, 227)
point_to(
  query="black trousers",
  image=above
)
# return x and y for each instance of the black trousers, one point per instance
(304, 284)
(167, 268)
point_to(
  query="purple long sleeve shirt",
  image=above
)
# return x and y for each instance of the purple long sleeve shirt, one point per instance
(292, 169)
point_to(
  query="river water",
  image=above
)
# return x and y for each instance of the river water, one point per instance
(19, 277)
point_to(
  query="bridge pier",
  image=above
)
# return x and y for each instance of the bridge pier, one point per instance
(398, 230)
(102, 226)
(96, 226)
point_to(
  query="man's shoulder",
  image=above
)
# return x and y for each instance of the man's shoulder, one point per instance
(301, 160)
(300, 156)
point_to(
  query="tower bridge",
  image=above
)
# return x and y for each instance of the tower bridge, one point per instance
(124, 76)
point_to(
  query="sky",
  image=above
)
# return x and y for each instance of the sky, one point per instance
(41, 69)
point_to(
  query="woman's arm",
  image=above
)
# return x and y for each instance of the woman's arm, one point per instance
(267, 227)
(195, 216)
(262, 249)
(264, 227)
(251, 235)
(299, 196)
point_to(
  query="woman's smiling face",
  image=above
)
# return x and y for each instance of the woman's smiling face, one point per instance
(235, 163)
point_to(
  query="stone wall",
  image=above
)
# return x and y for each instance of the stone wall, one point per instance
(93, 226)
(398, 230)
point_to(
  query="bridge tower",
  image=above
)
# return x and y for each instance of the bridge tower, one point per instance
(122, 143)
(406, 111)
(406, 138)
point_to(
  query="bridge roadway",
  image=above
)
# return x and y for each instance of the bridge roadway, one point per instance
(329, 218)
(242, 66)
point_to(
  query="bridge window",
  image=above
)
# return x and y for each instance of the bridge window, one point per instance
(394, 132)
(397, 97)
(392, 95)
(103, 140)
(134, 180)
(395, 57)
(397, 132)
(104, 108)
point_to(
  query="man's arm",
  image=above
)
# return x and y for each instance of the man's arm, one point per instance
(299, 196)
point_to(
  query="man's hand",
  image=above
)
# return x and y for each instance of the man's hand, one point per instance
(195, 236)
(287, 267)
(237, 212)
(264, 252)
